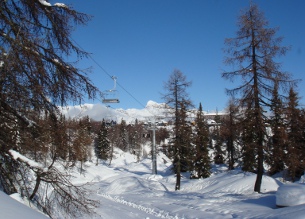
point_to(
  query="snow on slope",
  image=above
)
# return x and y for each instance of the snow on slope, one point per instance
(12, 209)
(127, 189)
(99, 112)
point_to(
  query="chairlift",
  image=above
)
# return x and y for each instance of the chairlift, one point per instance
(111, 95)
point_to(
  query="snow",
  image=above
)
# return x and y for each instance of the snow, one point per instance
(98, 112)
(45, 3)
(16, 155)
(61, 5)
(290, 195)
(13, 209)
(127, 189)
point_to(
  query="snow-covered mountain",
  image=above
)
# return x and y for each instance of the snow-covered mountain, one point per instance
(98, 112)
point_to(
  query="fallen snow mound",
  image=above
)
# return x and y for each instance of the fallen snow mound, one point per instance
(290, 195)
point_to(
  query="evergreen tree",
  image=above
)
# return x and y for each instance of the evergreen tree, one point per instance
(230, 132)
(249, 140)
(122, 141)
(276, 149)
(217, 142)
(254, 51)
(201, 160)
(295, 138)
(185, 141)
(102, 145)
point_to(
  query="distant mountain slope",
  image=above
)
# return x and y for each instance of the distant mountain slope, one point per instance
(99, 112)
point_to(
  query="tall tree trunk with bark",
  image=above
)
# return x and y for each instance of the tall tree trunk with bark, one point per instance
(254, 51)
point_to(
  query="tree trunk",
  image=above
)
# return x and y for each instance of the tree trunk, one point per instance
(178, 178)
(38, 180)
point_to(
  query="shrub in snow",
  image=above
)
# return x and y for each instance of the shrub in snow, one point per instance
(290, 195)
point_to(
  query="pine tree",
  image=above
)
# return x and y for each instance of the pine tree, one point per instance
(217, 142)
(254, 51)
(295, 137)
(276, 156)
(102, 144)
(249, 141)
(201, 160)
(230, 132)
(185, 141)
(122, 141)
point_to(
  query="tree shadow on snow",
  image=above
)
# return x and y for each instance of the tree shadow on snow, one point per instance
(268, 200)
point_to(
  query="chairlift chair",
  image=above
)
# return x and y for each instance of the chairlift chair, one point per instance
(111, 95)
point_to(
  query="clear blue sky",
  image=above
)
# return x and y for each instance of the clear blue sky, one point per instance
(143, 41)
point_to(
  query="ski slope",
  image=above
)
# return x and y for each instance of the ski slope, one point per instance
(127, 189)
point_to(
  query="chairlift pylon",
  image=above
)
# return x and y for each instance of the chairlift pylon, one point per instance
(113, 93)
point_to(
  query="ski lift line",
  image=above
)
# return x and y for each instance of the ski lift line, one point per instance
(104, 70)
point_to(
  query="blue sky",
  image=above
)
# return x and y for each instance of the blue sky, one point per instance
(141, 42)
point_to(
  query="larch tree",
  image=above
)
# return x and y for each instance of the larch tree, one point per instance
(36, 78)
(254, 51)
(177, 98)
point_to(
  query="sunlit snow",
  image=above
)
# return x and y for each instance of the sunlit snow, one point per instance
(45, 3)
(127, 189)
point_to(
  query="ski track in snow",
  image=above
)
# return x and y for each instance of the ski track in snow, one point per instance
(151, 211)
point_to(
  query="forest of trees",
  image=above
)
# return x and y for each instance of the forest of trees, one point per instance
(262, 130)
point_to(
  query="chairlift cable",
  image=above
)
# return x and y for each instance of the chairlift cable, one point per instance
(104, 70)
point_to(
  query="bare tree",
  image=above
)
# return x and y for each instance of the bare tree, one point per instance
(253, 51)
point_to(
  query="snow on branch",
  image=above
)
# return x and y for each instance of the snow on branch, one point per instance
(16, 155)
(61, 5)
(45, 3)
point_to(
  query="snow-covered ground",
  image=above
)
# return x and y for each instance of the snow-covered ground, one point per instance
(127, 189)
(10, 208)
